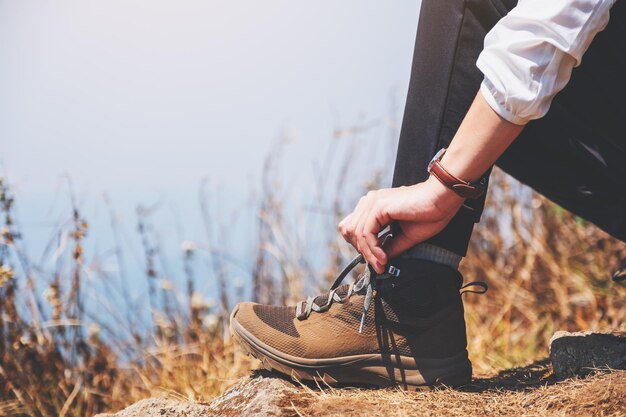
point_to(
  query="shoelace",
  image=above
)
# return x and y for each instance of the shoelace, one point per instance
(620, 274)
(368, 280)
(306, 307)
(481, 284)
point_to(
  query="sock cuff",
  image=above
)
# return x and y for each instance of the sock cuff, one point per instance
(432, 253)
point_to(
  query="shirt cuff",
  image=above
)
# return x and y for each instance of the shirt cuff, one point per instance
(489, 94)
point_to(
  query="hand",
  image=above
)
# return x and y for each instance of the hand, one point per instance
(421, 211)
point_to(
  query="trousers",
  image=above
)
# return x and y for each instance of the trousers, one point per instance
(575, 155)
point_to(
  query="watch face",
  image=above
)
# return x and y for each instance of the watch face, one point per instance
(437, 157)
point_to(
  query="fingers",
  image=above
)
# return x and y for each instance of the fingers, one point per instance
(362, 226)
(417, 209)
(347, 227)
(412, 233)
(364, 209)
(367, 237)
(373, 212)
(367, 243)
(398, 245)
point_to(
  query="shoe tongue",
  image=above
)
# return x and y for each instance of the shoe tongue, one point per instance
(341, 291)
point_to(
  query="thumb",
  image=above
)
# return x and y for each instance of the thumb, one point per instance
(397, 245)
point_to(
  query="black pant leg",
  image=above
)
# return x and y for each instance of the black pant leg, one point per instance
(444, 81)
(576, 154)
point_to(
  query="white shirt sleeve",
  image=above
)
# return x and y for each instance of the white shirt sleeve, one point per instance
(529, 54)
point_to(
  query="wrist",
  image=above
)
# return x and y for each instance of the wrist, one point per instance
(443, 197)
(462, 164)
(463, 188)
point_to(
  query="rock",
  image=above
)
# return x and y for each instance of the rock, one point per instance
(261, 395)
(580, 353)
(268, 395)
(161, 407)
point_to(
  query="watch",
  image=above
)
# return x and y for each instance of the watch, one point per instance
(465, 189)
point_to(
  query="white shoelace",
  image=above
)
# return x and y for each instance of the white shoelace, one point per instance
(306, 307)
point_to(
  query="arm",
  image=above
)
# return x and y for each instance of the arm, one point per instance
(482, 137)
(528, 57)
(422, 210)
(529, 54)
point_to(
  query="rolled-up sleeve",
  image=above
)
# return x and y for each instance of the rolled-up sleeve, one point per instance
(529, 54)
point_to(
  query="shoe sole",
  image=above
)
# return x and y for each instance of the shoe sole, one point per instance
(380, 370)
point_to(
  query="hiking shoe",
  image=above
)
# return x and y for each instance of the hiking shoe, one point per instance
(404, 327)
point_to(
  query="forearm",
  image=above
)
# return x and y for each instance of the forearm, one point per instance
(424, 209)
(480, 140)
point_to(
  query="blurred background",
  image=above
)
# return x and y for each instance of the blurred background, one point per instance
(142, 103)
(164, 160)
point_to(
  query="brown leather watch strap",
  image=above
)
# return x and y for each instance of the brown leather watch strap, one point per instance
(464, 189)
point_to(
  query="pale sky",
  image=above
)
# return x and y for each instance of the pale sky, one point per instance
(157, 94)
(141, 99)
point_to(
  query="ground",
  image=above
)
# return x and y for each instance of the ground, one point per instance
(526, 391)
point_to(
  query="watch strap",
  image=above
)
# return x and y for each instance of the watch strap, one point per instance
(465, 189)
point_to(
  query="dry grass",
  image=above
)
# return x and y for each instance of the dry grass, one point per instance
(547, 270)
(515, 395)
(552, 272)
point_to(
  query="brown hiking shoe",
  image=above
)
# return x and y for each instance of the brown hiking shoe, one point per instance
(404, 327)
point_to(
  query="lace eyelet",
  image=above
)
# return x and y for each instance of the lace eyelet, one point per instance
(367, 281)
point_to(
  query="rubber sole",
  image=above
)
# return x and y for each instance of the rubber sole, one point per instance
(370, 369)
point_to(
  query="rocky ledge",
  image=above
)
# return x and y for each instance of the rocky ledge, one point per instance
(571, 355)
(262, 394)
(578, 354)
